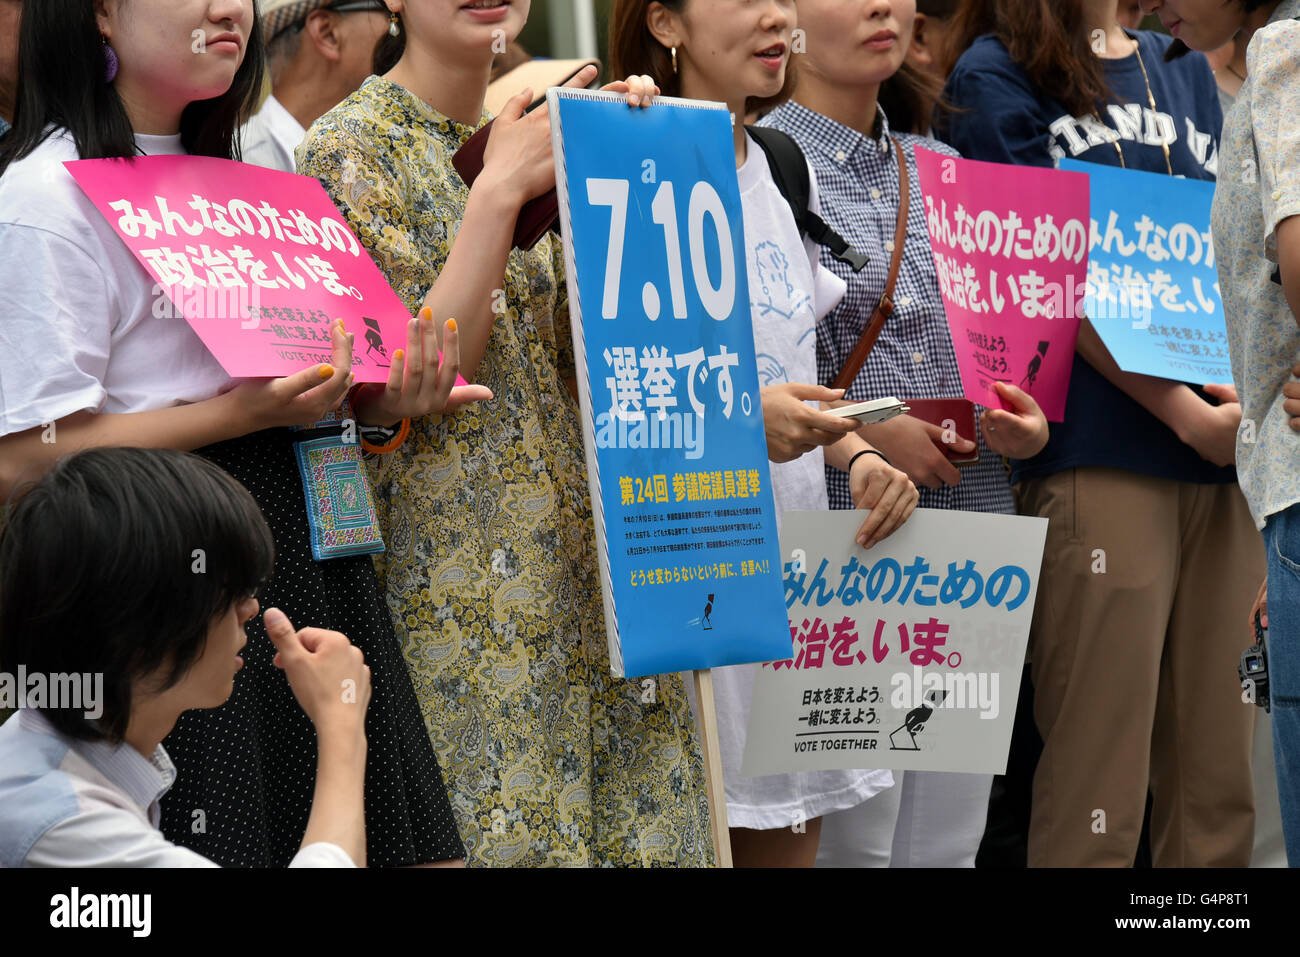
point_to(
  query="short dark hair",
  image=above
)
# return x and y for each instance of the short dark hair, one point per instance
(99, 573)
(61, 84)
(634, 50)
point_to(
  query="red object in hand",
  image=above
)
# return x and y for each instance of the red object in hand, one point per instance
(961, 412)
(535, 217)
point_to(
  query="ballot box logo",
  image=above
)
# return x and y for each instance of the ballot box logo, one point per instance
(375, 340)
(705, 621)
(921, 694)
(1035, 364)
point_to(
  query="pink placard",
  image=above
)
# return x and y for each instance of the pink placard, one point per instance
(1010, 245)
(258, 261)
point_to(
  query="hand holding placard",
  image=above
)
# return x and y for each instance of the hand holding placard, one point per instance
(259, 262)
(421, 381)
(1019, 430)
(302, 398)
(886, 491)
(518, 157)
(1010, 247)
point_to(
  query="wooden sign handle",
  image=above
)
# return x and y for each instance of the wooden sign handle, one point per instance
(713, 767)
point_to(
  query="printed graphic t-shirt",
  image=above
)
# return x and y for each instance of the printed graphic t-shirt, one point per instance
(790, 291)
(85, 328)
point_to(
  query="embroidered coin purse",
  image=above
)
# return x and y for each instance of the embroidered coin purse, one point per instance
(340, 506)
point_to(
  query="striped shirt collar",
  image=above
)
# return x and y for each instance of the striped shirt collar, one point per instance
(143, 780)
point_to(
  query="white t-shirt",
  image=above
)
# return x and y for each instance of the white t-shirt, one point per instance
(271, 136)
(789, 293)
(83, 327)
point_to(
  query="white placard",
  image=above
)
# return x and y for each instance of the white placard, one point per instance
(907, 655)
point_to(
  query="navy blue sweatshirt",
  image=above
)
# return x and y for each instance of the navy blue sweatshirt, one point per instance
(1008, 120)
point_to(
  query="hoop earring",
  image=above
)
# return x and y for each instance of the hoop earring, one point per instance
(673, 51)
(110, 61)
(393, 28)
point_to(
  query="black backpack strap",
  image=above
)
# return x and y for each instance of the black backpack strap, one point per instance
(821, 233)
(789, 168)
(790, 174)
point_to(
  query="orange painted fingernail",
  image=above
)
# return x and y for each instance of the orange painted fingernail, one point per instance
(399, 353)
(426, 313)
(326, 371)
(451, 324)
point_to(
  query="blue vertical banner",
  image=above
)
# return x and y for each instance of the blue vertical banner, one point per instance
(1153, 291)
(668, 381)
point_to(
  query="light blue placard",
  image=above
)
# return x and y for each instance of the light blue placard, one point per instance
(1153, 293)
(672, 418)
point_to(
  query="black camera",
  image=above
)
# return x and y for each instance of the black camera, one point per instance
(1253, 669)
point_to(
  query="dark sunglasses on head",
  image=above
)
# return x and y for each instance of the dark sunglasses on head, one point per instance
(356, 6)
(351, 6)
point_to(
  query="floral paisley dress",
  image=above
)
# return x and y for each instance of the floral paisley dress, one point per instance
(491, 563)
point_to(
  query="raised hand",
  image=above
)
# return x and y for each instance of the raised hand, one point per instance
(328, 674)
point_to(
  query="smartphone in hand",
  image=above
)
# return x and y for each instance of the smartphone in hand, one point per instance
(869, 413)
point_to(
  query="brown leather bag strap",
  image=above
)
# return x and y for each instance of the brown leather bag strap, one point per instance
(885, 308)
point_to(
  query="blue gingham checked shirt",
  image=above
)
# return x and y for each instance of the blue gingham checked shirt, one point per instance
(857, 179)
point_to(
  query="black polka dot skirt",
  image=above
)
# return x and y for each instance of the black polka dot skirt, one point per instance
(246, 771)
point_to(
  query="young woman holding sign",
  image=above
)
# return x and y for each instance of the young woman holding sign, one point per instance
(491, 567)
(852, 48)
(738, 53)
(86, 360)
(1151, 556)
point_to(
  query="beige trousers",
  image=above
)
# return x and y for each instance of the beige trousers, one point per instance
(1138, 628)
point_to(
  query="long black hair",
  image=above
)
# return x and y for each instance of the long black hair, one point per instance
(61, 84)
